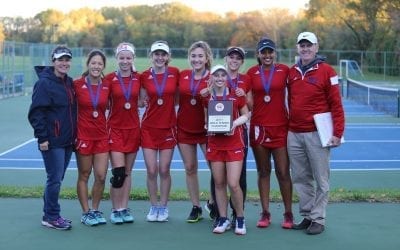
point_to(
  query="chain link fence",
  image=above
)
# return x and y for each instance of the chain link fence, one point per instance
(17, 60)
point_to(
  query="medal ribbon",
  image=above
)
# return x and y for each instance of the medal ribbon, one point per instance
(195, 86)
(223, 95)
(160, 88)
(127, 92)
(267, 85)
(93, 98)
(233, 84)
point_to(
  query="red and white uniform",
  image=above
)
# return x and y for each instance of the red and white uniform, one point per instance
(317, 91)
(124, 122)
(190, 118)
(269, 120)
(244, 83)
(222, 142)
(91, 130)
(158, 129)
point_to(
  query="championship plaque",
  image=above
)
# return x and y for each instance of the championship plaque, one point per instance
(219, 116)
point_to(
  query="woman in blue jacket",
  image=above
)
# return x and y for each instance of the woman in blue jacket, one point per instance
(52, 115)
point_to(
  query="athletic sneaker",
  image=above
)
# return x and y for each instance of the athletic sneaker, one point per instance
(195, 215)
(240, 227)
(126, 215)
(67, 220)
(59, 224)
(99, 217)
(223, 225)
(162, 214)
(153, 214)
(287, 220)
(211, 210)
(265, 219)
(89, 219)
(116, 217)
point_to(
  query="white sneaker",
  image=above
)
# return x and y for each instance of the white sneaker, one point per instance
(223, 225)
(240, 227)
(162, 214)
(153, 214)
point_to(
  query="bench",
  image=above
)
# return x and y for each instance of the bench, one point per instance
(13, 86)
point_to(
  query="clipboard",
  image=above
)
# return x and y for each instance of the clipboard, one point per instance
(324, 124)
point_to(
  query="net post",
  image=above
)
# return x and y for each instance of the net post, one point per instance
(398, 103)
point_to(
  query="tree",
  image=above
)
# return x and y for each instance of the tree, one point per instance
(2, 36)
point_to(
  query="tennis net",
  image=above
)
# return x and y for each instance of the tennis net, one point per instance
(379, 98)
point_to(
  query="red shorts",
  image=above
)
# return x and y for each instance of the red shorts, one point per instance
(191, 138)
(89, 147)
(225, 155)
(268, 136)
(158, 138)
(124, 140)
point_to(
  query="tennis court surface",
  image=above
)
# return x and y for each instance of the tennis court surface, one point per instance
(368, 160)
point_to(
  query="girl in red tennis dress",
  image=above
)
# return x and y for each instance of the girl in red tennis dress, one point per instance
(159, 86)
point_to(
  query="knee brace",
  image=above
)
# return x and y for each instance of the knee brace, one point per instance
(118, 178)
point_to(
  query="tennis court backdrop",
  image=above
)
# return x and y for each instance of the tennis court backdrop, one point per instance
(365, 70)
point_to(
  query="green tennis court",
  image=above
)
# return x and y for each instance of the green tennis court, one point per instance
(350, 225)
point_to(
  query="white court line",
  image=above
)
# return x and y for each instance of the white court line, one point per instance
(17, 147)
(371, 127)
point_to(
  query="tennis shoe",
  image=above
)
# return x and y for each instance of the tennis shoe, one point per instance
(195, 215)
(127, 217)
(211, 210)
(240, 227)
(116, 217)
(66, 220)
(162, 214)
(89, 219)
(59, 224)
(153, 214)
(265, 220)
(99, 217)
(287, 220)
(223, 225)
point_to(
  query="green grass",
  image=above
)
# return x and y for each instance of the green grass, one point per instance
(336, 195)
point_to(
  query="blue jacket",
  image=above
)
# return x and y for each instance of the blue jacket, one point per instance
(53, 111)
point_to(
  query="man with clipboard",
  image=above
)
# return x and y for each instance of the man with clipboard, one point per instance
(313, 88)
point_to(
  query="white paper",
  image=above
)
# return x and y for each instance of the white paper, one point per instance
(324, 124)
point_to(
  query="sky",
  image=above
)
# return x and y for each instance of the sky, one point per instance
(29, 8)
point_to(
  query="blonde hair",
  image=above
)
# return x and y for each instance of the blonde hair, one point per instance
(207, 49)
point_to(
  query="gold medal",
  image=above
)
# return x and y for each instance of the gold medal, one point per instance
(267, 98)
(160, 101)
(95, 114)
(127, 105)
(193, 101)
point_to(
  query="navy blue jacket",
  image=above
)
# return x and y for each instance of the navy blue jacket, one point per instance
(53, 111)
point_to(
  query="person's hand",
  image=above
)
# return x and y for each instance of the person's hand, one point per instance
(205, 92)
(240, 92)
(334, 141)
(44, 146)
